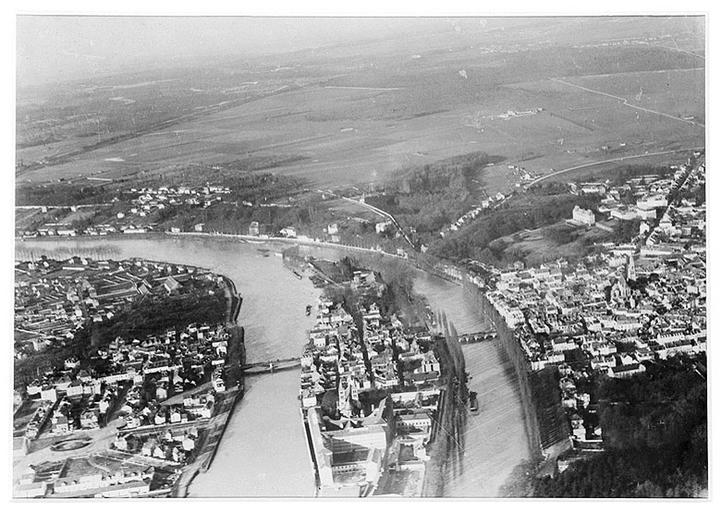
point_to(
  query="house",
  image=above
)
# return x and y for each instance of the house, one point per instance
(577, 426)
(170, 284)
(61, 425)
(626, 370)
(34, 388)
(583, 216)
(430, 363)
(289, 232)
(417, 420)
(49, 393)
(200, 227)
(188, 444)
(89, 419)
(75, 388)
(161, 392)
(132, 421)
(218, 384)
(593, 188)
(382, 227)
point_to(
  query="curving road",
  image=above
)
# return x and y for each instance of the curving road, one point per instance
(610, 160)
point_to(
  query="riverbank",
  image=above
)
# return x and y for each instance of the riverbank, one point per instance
(218, 236)
(494, 440)
(224, 408)
(268, 414)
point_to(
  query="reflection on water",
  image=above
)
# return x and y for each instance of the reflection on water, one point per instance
(263, 451)
(495, 439)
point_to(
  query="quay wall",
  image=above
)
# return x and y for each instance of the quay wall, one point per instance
(546, 426)
(236, 375)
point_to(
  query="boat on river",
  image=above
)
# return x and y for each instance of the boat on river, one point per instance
(473, 405)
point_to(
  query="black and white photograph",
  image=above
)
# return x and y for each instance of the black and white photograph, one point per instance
(358, 257)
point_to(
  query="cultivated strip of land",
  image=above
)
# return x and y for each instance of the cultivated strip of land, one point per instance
(625, 102)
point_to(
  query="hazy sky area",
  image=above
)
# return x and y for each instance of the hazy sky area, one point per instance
(52, 48)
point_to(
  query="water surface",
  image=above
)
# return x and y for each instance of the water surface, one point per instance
(263, 451)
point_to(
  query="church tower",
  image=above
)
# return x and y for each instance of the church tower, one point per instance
(630, 269)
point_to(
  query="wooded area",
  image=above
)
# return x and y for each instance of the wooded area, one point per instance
(655, 433)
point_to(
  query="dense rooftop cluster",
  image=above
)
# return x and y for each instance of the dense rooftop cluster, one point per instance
(158, 392)
(155, 390)
(144, 372)
(53, 299)
(348, 365)
(617, 310)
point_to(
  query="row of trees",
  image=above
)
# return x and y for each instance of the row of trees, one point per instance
(426, 198)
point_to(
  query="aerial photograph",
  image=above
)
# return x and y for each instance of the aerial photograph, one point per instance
(359, 257)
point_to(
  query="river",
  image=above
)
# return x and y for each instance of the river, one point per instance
(495, 439)
(263, 451)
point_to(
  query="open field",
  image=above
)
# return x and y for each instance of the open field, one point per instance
(535, 246)
(353, 114)
(670, 91)
(355, 143)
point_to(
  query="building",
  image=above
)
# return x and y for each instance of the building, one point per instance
(382, 227)
(289, 232)
(583, 216)
(350, 454)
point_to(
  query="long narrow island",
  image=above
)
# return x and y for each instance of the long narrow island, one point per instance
(378, 390)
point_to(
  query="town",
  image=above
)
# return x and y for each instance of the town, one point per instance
(150, 406)
(370, 392)
(611, 313)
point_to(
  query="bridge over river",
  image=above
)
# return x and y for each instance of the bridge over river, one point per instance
(277, 365)
(476, 337)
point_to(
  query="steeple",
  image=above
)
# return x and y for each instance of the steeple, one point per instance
(630, 269)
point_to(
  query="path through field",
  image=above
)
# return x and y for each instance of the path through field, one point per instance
(626, 103)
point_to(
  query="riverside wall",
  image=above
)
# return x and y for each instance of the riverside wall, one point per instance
(546, 426)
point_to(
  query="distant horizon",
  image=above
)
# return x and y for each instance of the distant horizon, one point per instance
(60, 49)
(80, 49)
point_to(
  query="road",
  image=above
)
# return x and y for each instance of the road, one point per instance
(610, 160)
(672, 203)
(375, 210)
(626, 103)
(382, 213)
(53, 207)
